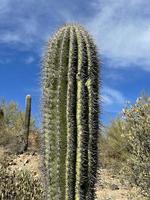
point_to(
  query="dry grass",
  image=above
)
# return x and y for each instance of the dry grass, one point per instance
(111, 188)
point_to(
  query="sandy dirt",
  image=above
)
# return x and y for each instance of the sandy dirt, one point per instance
(108, 188)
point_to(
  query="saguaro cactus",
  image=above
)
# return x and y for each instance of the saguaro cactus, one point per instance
(1, 118)
(27, 120)
(1, 114)
(70, 104)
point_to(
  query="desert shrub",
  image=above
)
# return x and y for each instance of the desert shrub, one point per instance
(137, 134)
(11, 126)
(19, 185)
(114, 148)
(125, 145)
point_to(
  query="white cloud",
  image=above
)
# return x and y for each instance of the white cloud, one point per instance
(29, 60)
(113, 75)
(24, 23)
(4, 6)
(112, 96)
(9, 38)
(4, 61)
(121, 27)
(122, 31)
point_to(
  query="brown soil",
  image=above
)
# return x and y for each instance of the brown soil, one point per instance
(108, 188)
(27, 161)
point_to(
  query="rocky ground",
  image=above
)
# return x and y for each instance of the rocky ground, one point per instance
(27, 161)
(109, 187)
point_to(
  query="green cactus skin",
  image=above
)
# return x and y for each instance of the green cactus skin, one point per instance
(70, 107)
(27, 120)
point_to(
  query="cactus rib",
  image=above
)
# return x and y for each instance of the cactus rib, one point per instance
(70, 85)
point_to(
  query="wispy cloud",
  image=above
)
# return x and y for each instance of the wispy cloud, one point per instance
(9, 38)
(112, 96)
(4, 6)
(30, 22)
(27, 23)
(29, 60)
(113, 75)
(112, 103)
(122, 31)
(4, 61)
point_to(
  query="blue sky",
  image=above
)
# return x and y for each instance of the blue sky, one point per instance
(120, 28)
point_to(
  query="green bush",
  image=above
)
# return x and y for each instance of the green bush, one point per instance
(12, 125)
(114, 148)
(125, 145)
(19, 185)
(137, 134)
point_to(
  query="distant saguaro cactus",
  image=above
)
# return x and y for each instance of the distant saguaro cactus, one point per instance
(70, 104)
(1, 118)
(27, 120)
(1, 114)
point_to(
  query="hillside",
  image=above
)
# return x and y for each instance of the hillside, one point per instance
(108, 188)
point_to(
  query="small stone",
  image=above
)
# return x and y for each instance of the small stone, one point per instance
(26, 161)
(114, 187)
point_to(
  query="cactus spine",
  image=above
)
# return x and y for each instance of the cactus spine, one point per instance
(27, 120)
(70, 87)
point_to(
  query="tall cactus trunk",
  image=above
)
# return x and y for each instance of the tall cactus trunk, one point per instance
(27, 120)
(70, 103)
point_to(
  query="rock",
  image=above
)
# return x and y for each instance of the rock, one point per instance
(34, 153)
(114, 187)
(26, 161)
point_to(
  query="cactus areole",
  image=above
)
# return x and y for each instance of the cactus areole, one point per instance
(70, 107)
